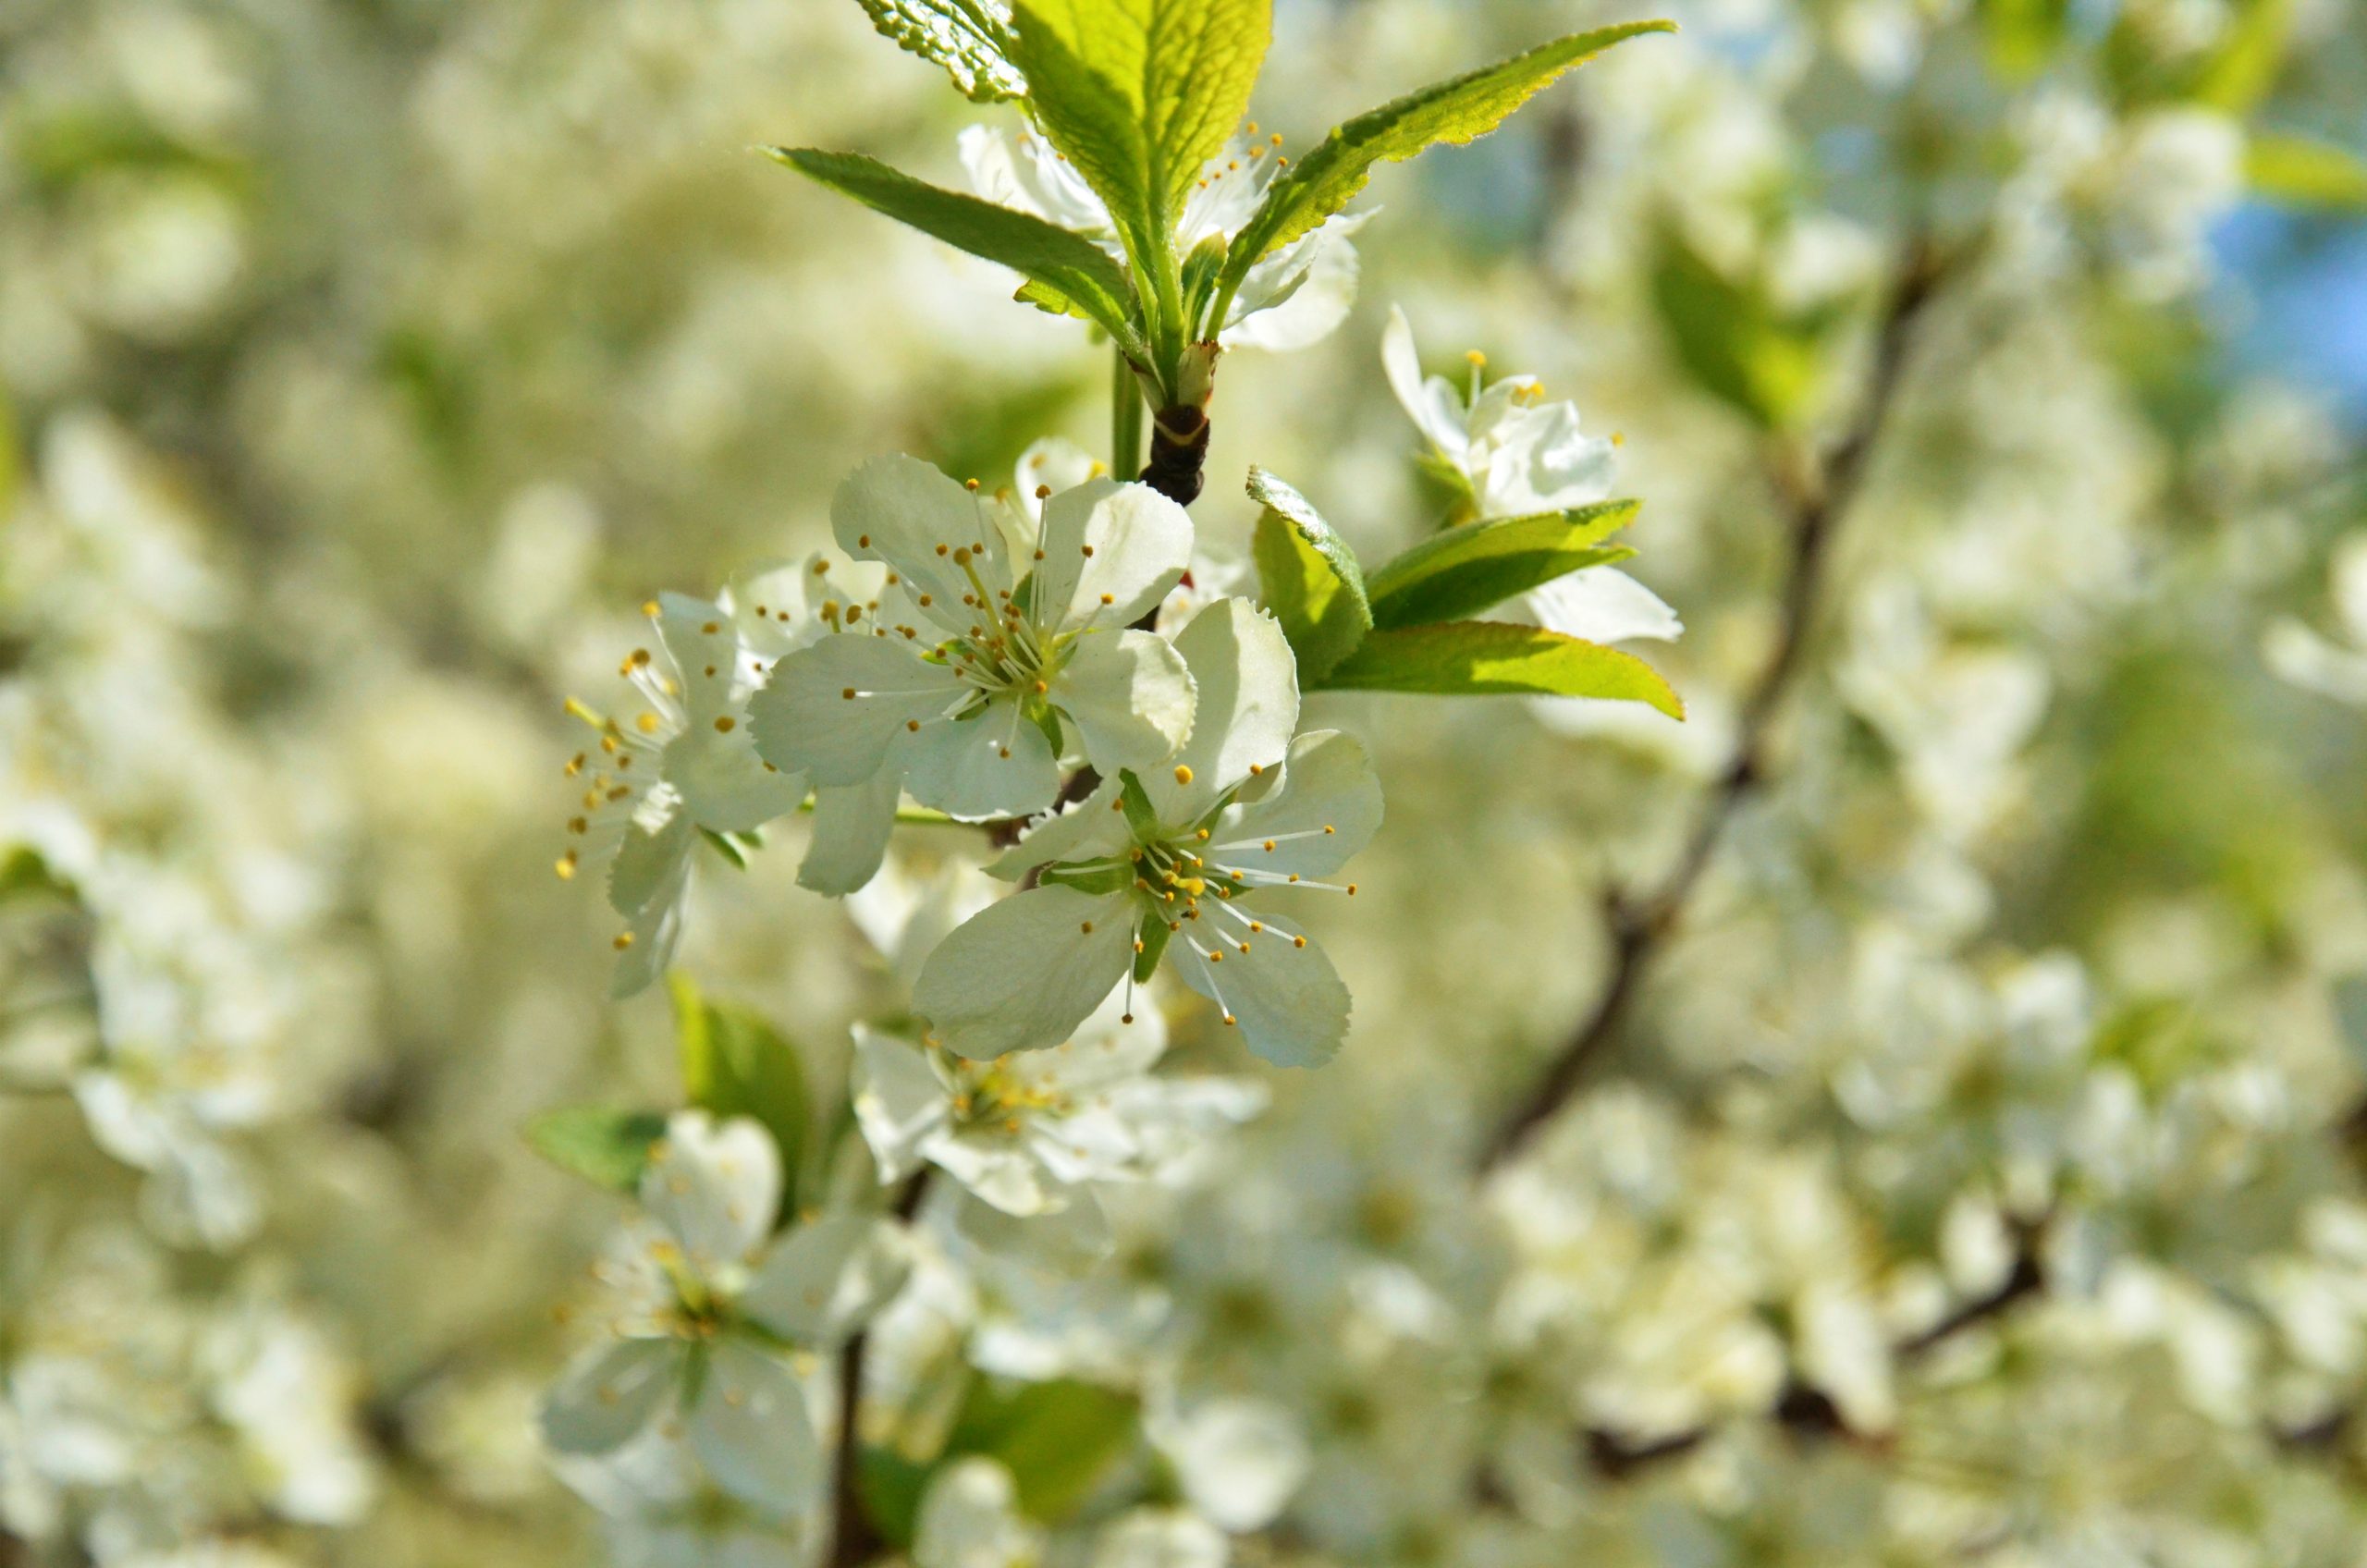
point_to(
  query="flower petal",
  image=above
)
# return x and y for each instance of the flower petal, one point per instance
(609, 1394)
(1091, 829)
(852, 825)
(825, 1278)
(1288, 1001)
(998, 1171)
(1025, 972)
(992, 763)
(1602, 603)
(1100, 1052)
(1299, 295)
(751, 1430)
(1325, 808)
(713, 1187)
(1130, 696)
(1247, 705)
(806, 722)
(904, 511)
(1432, 405)
(1112, 552)
(898, 1101)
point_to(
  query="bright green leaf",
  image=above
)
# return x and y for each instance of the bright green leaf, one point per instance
(2250, 56)
(1456, 111)
(2299, 171)
(609, 1148)
(1059, 1437)
(1068, 265)
(1141, 93)
(1469, 568)
(970, 37)
(2023, 34)
(1308, 577)
(1767, 362)
(1469, 659)
(735, 1064)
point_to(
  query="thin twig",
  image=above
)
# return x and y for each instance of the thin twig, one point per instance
(854, 1539)
(1815, 500)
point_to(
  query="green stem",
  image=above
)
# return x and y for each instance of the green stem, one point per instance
(1125, 419)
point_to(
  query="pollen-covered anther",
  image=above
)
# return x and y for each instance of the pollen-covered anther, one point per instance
(575, 764)
(1229, 1020)
(969, 485)
(578, 825)
(1256, 768)
(647, 723)
(725, 724)
(848, 693)
(623, 940)
(1085, 926)
(1108, 598)
(1183, 773)
(1298, 941)
(649, 608)
(1087, 549)
(565, 865)
(914, 725)
(1042, 687)
(1202, 835)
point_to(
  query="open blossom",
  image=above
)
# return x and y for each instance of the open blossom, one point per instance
(709, 1300)
(1164, 864)
(1026, 1134)
(1292, 299)
(972, 714)
(1515, 455)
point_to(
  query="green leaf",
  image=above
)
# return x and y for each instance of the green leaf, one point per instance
(970, 37)
(1140, 94)
(1308, 577)
(1068, 265)
(2248, 59)
(2023, 34)
(1153, 941)
(735, 1064)
(1456, 111)
(609, 1148)
(1467, 570)
(1767, 362)
(1059, 1437)
(1469, 659)
(2298, 172)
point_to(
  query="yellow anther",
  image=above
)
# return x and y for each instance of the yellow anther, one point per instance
(914, 725)
(647, 723)
(575, 765)
(1479, 361)
(848, 693)
(1041, 688)
(1352, 889)
(1298, 941)
(1229, 1020)
(1138, 944)
(565, 865)
(1108, 598)
(1085, 926)
(1183, 774)
(1202, 835)
(710, 672)
(863, 542)
(1256, 925)
(855, 613)
(1329, 829)
(711, 628)
(820, 567)
(927, 600)
(969, 485)
(1269, 846)
(649, 608)
(578, 825)
(1089, 550)
(625, 940)
(1256, 768)
(1216, 958)
(725, 724)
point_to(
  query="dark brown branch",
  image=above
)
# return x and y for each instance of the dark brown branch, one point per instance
(854, 1539)
(1816, 497)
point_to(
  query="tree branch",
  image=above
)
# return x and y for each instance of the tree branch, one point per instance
(854, 1539)
(1816, 500)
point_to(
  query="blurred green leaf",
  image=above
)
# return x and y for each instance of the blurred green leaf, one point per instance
(1308, 577)
(607, 1147)
(2245, 66)
(2023, 35)
(735, 1064)
(1458, 110)
(1476, 565)
(1472, 658)
(2299, 171)
(970, 37)
(1069, 264)
(1058, 1439)
(1764, 363)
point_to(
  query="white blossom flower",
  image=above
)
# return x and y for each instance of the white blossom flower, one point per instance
(2308, 658)
(1163, 862)
(1026, 1134)
(972, 719)
(1160, 1537)
(663, 1510)
(708, 1302)
(970, 1518)
(1290, 300)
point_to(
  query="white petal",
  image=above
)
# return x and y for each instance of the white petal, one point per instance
(805, 722)
(714, 1187)
(1245, 686)
(774, 604)
(821, 1280)
(608, 1394)
(1102, 1051)
(1126, 543)
(724, 785)
(899, 510)
(1288, 1001)
(1091, 830)
(1130, 696)
(647, 883)
(1000, 1171)
(970, 1519)
(1068, 1239)
(993, 764)
(1327, 783)
(751, 1430)
(1546, 463)
(852, 825)
(898, 1101)
(1025, 972)
(1431, 404)
(1603, 605)
(1239, 1460)
(1055, 463)
(1299, 295)
(1160, 1537)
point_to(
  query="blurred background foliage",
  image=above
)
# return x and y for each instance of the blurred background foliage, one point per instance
(367, 362)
